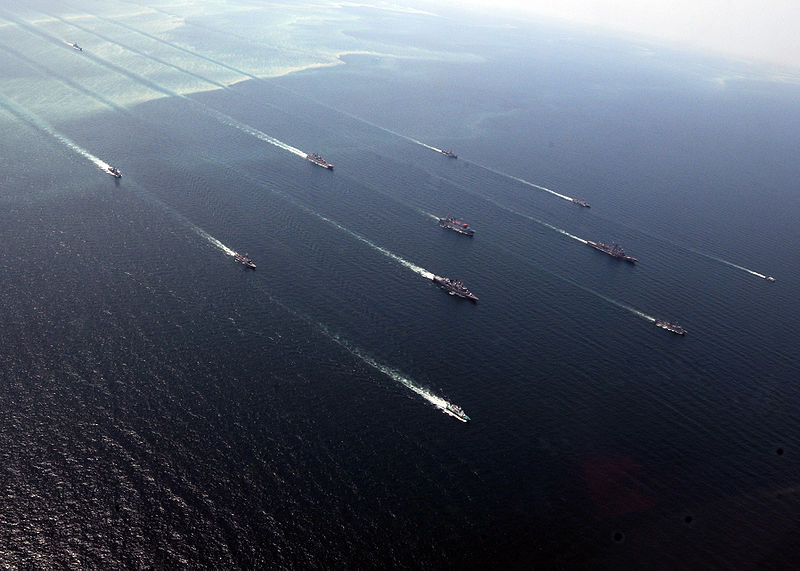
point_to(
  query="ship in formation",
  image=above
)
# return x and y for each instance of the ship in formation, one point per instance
(113, 171)
(457, 225)
(450, 154)
(673, 327)
(580, 202)
(457, 411)
(245, 261)
(319, 161)
(614, 250)
(454, 287)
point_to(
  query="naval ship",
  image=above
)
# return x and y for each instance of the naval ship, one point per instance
(457, 411)
(245, 261)
(458, 225)
(455, 287)
(114, 171)
(450, 154)
(77, 47)
(674, 327)
(614, 250)
(580, 202)
(769, 279)
(319, 161)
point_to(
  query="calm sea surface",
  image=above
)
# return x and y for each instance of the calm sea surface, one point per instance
(161, 406)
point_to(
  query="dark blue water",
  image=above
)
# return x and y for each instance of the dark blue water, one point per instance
(163, 407)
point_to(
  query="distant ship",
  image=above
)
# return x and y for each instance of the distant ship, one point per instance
(319, 161)
(614, 250)
(455, 287)
(114, 171)
(458, 225)
(77, 47)
(457, 411)
(580, 202)
(450, 154)
(245, 261)
(769, 279)
(674, 327)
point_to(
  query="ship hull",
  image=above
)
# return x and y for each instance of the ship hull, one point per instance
(459, 414)
(456, 228)
(319, 161)
(608, 250)
(453, 289)
(671, 327)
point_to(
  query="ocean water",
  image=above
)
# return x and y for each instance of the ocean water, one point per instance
(163, 407)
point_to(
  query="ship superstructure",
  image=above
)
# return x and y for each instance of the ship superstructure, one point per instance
(454, 287)
(673, 327)
(457, 411)
(319, 161)
(457, 225)
(245, 261)
(614, 250)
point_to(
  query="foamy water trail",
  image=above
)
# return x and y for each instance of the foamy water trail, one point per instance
(393, 374)
(218, 115)
(42, 125)
(399, 259)
(528, 217)
(588, 290)
(523, 181)
(402, 261)
(439, 402)
(37, 122)
(244, 128)
(612, 301)
(427, 146)
(213, 241)
(559, 230)
(731, 264)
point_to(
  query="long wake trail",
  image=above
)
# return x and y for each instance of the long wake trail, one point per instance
(731, 264)
(35, 121)
(402, 261)
(588, 290)
(38, 123)
(533, 185)
(218, 115)
(266, 138)
(439, 402)
(521, 180)
(526, 216)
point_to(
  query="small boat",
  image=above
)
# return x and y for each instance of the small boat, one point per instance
(114, 171)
